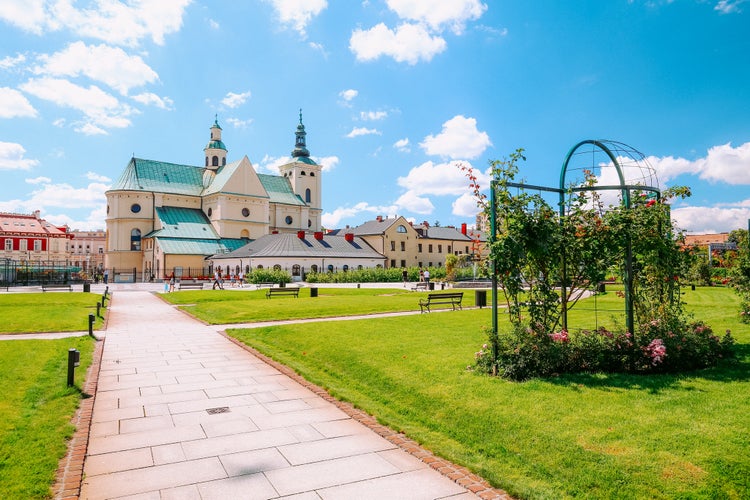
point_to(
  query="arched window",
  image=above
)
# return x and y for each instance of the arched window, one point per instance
(247, 268)
(307, 195)
(206, 160)
(302, 173)
(245, 234)
(277, 267)
(401, 229)
(312, 174)
(135, 239)
(295, 270)
(330, 268)
(345, 268)
(314, 268)
(260, 266)
(215, 161)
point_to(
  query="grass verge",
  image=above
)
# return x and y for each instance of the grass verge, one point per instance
(587, 436)
(48, 312)
(35, 411)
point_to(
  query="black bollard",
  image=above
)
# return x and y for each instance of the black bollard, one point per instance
(91, 324)
(103, 298)
(98, 310)
(74, 358)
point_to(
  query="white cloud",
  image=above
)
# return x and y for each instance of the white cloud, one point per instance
(458, 139)
(358, 131)
(710, 220)
(9, 62)
(409, 43)
(298, 13)
(39, 180)
(151, 99)
(729, 6)
(101, 109)
(93, 176)
(439, 13)
(232, 100)
(332, 220)
(348, 95)
(271, 164)
(465, 206)
(237, 123)
(14, 104)
(412, 202)
(114, 22)
(327, 162)
(373, 115)
(319, 47)
(66, 196)
(439, 179)
(213, 24)
(102, 63)
(402, 145)
(90, 129)
(11, 157)
(722, 163)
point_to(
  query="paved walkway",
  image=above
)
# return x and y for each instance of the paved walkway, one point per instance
(182, 412)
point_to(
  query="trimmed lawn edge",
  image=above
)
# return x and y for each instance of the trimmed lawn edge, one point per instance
(69, 474)
(455, 473)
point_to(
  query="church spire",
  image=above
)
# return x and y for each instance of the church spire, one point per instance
(300, 150)
(215, 151)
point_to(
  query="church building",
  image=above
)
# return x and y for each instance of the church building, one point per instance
(166, 217)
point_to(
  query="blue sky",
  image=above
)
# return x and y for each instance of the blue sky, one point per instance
(394, 94)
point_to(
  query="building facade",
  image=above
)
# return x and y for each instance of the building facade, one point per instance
(166, 217)
(86, 250)
(29, 238)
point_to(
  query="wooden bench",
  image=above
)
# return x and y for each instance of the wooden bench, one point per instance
(453, 299)
(420, 285)
(282, 291)
(56, 286)
(192, 285)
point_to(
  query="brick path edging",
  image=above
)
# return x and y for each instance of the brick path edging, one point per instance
(456, 473)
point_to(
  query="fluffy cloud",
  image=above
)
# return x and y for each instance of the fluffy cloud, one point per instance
(39, 180)
(358, 131)
(9, 62)
(722, 163)
(373, 115)
(438, 179)
(298, 13)
(402, 145)
(458, 139)
(237, 123)
(271, 164)
(101, 109)
(729, 6)
(151, 99)
(438, 14)
(412, 202)
(709, 220)
(409, 43)
(14, 104)
(465, 206)
(102, 63)
(11, 157)
(117, 23)
(232, 100)
(348, 95)
(333, 219)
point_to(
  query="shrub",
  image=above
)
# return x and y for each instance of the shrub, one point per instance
(268, 276)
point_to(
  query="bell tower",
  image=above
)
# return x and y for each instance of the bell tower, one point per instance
(215, 151)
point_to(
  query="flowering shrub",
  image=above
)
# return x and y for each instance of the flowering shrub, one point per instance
(658, 348)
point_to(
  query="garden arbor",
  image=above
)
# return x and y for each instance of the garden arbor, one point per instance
(597, 175)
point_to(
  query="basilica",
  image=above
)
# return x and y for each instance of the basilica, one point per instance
(165, 217)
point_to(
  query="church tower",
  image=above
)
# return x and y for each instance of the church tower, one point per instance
(304, 174)
(215, 150)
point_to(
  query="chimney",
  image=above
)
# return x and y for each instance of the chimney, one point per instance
(301, 235)
(379, 218)
(349, 237)
(463, 228)
(318, 235)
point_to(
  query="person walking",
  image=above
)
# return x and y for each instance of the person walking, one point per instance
(217, 280)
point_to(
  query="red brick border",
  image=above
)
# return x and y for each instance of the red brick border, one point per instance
(69, 475)
(456, 473)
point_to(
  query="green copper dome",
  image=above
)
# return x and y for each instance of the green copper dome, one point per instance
(215, 145)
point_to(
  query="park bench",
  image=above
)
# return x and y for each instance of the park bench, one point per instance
(191, 285)
(282, 291)
(453, 299)
(420, 285)
(56, 286)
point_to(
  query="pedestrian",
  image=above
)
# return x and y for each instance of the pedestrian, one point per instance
(171, 282)
(242, 278)
(106, 276)
(217, 280)
(421, 274)
(427, 275)
(404, 275)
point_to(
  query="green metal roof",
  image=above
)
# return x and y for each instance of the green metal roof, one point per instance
(161, 177)
(279, 190)
(215, 145)
(180, 222)
(182, 246)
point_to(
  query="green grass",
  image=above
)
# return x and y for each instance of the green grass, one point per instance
(584, 436)
(48, 312)
(234, 306)
(35, 412)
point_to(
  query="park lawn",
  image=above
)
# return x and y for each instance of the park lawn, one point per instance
(36, 409)
(589, 436)
(247, 306)
(48, 312)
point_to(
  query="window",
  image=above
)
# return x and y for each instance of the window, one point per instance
(440, 248)
(288, 219)
(307, 195)
(429, 249)
(403, 263)
(8, 244)
(393, 246)
(206, 160)
(135, 208)
(393, 262)
(295, 270)
(419, 247)
(345, 268)
(37, 245)
(215, 161)
(135, 239)
(312, 174)
(245, 212)
(277, 267)
(302, 173)
(401, 229)
(467, 250)
(449, 249)
(403, 246)
(330, 268)
(314, 268)
(23, 245)
(210, 211)
(223, 161)
(309, 223)
(260, 266)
